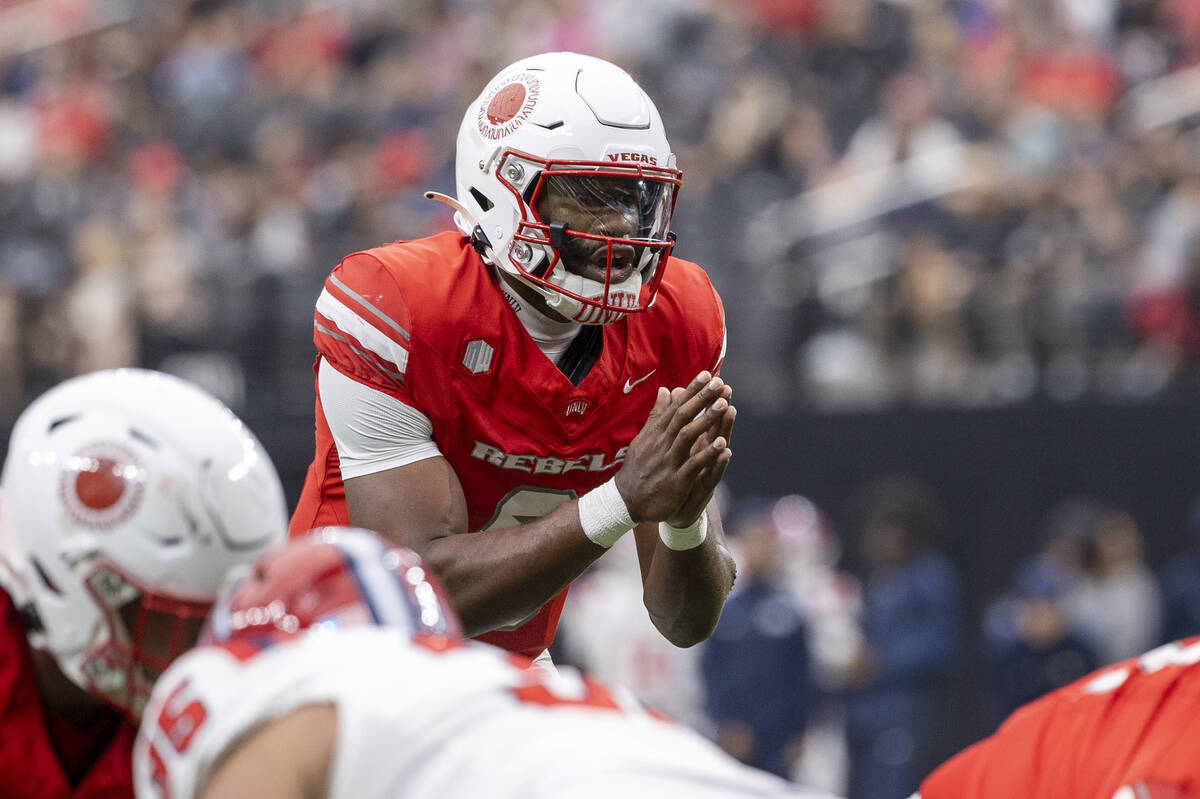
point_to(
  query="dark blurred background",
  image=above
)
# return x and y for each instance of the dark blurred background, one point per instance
(958, 243)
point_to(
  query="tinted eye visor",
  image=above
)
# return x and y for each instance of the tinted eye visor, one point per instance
(621, 206)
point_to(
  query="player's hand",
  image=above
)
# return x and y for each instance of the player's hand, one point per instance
(673, 460)
(723, 414)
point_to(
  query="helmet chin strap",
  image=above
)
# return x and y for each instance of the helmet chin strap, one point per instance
(586, 287)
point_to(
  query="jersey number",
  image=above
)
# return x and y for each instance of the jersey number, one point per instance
(521, 506)
(525, 504)
(179, 720)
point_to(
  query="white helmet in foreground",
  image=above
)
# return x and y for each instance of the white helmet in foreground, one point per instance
(566, 181)
(127, 496)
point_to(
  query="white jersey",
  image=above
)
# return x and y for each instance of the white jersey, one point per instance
(418, 722)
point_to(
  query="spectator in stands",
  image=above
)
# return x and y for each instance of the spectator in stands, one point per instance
(1179, 580)
(830, 599)
(604, 630)
(756, 665)
(1117, 601)
(912, 609)
(236, 150)
(1066, 530)
(1032, 646)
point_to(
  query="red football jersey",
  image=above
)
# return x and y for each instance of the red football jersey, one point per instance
(29, 767)
(426, 322)
(1127, 731)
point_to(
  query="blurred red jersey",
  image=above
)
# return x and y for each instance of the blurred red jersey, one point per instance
(29, 767)
(425, 322)
(1127, 731)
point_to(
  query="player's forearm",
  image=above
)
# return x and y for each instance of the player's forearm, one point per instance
(685, 591)
(501, 577)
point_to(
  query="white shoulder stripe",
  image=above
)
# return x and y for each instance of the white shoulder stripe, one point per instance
(387, 320)
(360, 353)
(367, 334)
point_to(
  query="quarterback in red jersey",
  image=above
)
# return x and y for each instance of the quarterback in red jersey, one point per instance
(127, 494)
(1127, 731)
(510, 398)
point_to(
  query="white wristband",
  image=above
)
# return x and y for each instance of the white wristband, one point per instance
(681, 538)
(603, 514)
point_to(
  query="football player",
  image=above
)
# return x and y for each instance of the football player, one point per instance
(334, 669)
(127, 494)
(544, 377)
(1127, 731)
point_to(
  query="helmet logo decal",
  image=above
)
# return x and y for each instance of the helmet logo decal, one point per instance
(102, 488)
(505, 105)
(101, 485)
(508, 105)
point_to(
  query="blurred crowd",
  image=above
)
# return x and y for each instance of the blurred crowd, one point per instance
(849, 659)
(916, 202)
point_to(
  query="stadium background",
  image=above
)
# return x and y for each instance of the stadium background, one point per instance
(955, 238)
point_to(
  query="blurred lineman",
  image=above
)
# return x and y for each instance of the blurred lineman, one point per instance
(514, 376)
(1127, 731)
(336, 670)
(127, 495)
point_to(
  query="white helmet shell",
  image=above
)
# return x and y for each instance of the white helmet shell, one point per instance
(568, 114)
(120, 484)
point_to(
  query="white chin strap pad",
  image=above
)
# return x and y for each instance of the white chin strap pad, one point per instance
(593, 290)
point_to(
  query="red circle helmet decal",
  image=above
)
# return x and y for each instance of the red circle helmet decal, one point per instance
(508, 105)
(505, 105)
(102, 485)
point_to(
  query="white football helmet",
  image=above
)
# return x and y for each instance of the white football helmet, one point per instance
(579, 129)
(127, 496)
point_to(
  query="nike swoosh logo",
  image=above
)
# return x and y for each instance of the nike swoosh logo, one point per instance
(629, 384)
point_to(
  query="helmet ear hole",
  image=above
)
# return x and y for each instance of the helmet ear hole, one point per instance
(31, 620)
(482, 199)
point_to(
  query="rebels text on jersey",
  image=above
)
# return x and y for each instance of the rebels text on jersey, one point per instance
(426, 322)
(1125, 731)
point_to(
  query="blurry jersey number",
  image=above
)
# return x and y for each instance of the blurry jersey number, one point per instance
(521, 506)
(179, 720)
(524, 504)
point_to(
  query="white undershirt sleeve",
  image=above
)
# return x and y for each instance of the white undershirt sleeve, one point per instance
(373, 431)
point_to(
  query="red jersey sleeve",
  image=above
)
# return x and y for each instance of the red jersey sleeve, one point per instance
(719, 359)
(362, 327)
(689, 320)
